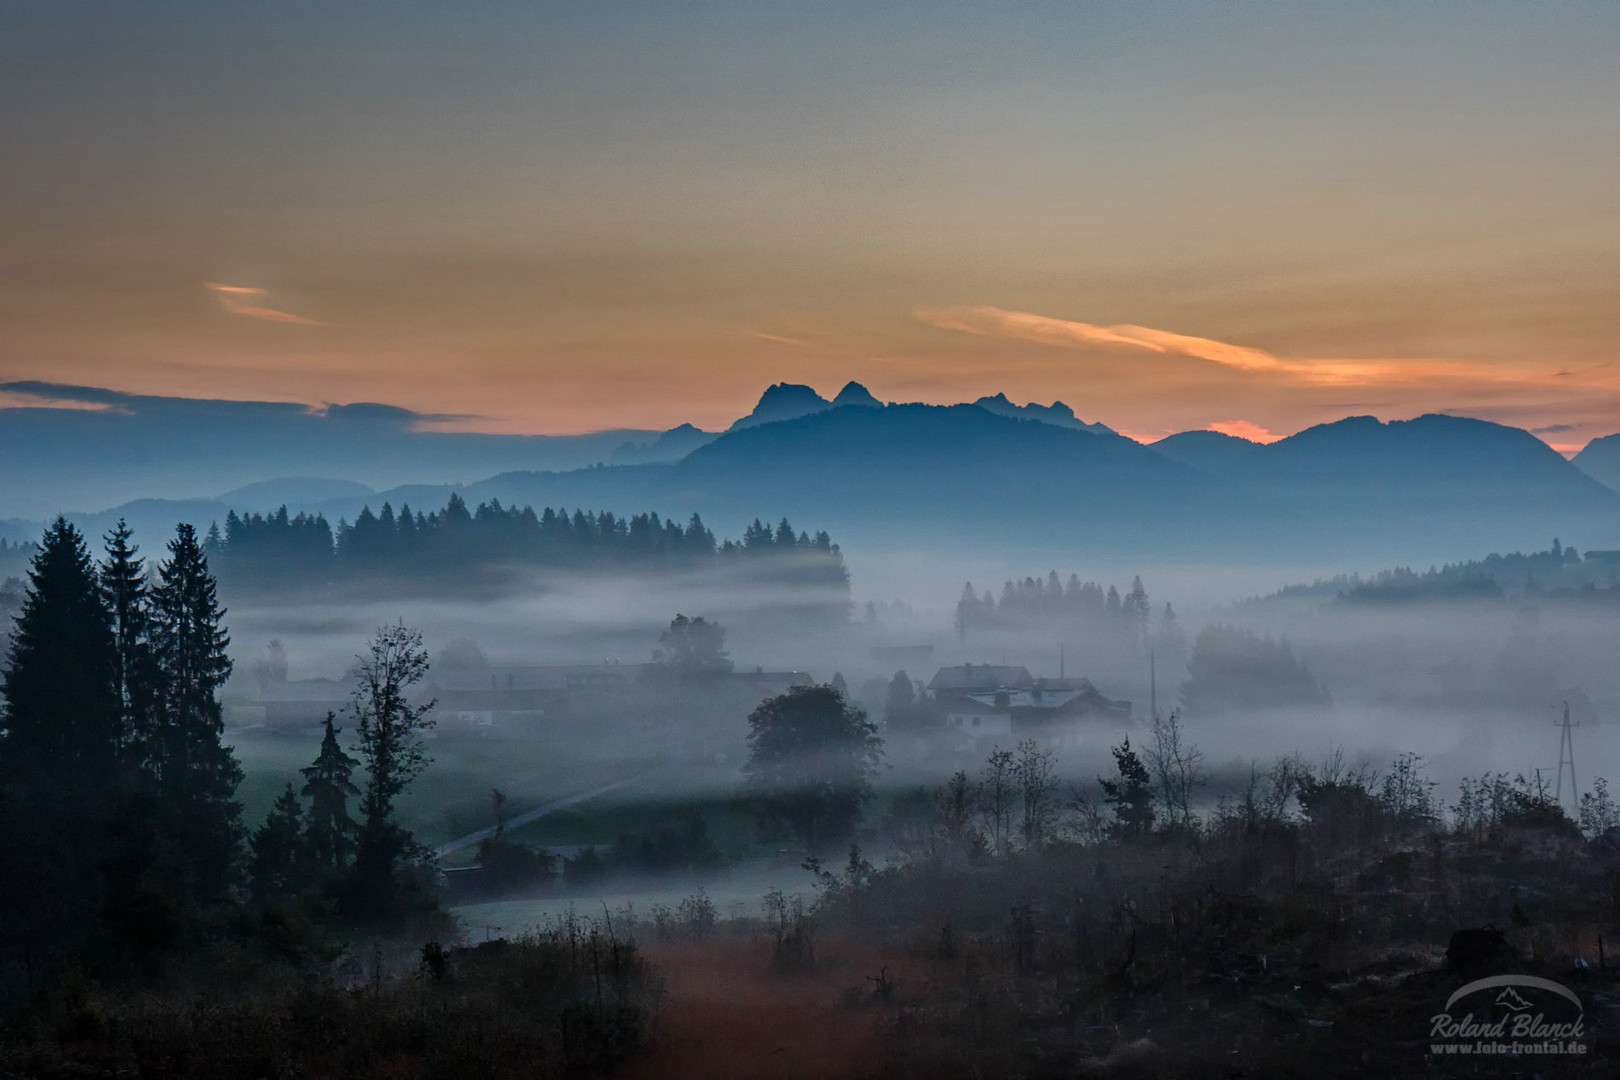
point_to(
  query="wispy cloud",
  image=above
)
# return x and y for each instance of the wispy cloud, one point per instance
(1073, 334)
(15, 396)
(1070, 333)
(233, 299)
(780, 339)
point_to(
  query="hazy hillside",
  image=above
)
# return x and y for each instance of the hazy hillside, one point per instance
(957, 479)
(1206, 451)
(1601, 461)
(1417, 488)
(115, 447)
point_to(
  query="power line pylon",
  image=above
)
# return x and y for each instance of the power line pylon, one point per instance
(1566, 760)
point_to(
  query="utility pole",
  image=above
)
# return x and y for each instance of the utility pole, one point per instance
(1566, 760)
(1153, 685)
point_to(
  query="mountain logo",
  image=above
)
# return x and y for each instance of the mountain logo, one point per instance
(1511, 1000)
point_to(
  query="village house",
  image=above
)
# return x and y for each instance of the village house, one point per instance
(982, 701)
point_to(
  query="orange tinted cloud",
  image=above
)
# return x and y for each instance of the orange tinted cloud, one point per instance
(780, 339)
(1069, 333)
(1245, 429)
(230, 299)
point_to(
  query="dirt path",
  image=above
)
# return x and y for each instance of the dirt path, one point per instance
(726, 1015)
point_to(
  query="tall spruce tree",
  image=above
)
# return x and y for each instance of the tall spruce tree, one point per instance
(330, 831)
(61, 710)
(59, 781)
(278, 849)
(196, 773)
(135, 679)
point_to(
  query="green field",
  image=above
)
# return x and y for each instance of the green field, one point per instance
(737, 894)
(452, 797)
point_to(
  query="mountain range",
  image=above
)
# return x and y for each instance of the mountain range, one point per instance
(977, 478)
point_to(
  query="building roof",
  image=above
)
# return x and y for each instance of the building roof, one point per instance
(1028, 699)
(971, 677)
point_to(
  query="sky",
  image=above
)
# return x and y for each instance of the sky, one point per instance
(565, 217)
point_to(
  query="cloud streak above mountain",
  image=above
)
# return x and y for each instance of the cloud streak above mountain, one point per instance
(1070, 333)
(231, 299)
(1073, 334)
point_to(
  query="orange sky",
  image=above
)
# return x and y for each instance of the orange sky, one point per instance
(564, 218)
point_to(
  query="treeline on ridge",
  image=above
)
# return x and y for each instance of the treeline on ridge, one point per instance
(268, 549)
(1557, 572)
(1082, 608)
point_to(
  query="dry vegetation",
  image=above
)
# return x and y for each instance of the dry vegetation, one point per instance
(573, 1000)
(1302, 928)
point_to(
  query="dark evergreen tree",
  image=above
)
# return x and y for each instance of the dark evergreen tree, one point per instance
(135, 677)
(278, 849)
(196, 773)
(330, 832)
(61, 719)
(693, 647)
(60, 784)
(1130, 793)
(1136, 611)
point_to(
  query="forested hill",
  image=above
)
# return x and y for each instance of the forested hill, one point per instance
(488, 544)
(1557, 572)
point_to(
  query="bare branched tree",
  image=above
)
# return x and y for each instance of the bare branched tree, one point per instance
(1178, 770)
(390, 729)
(956, 803)
(1086, 816)
(996, 797)
(1037, 792)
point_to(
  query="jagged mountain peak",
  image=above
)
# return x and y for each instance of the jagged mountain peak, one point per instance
(854, 393)
(783, 401)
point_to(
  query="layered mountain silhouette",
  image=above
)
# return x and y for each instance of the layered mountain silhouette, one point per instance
(1210, 452)
(1601, 461)
(672, 445)
(1056, 413)
(960, 477)
(975, 480)
(789, 401)
(101, 447)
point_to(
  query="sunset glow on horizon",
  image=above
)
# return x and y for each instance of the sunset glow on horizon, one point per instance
(566, 218)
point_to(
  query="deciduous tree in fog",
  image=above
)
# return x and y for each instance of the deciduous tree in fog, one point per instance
(899, 699)
(1037, 792)
(693, 647)
(1233, 669)
(1178, 770)
(390, 729)
(811, 762)
(996, 798)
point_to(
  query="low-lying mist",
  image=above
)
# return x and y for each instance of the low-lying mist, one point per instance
(1470, 687)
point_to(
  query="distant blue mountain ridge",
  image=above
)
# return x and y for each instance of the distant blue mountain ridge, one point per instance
(975, 479)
